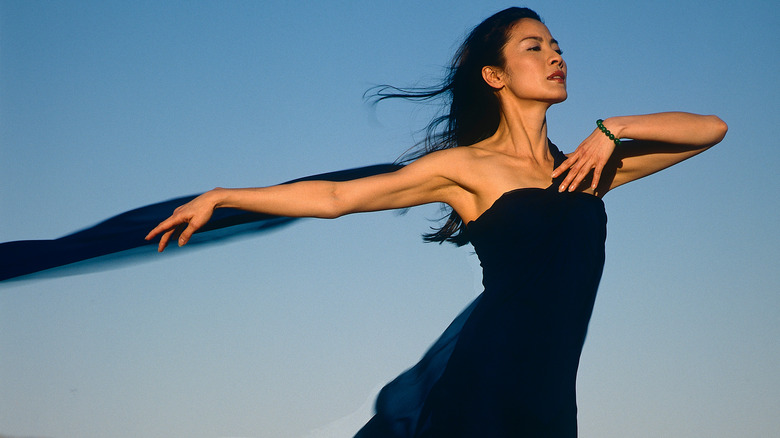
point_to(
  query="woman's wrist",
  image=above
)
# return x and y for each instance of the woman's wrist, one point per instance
(607, 132)
(615, 125)
(217, 197)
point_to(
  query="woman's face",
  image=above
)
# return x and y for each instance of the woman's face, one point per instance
(534, 68)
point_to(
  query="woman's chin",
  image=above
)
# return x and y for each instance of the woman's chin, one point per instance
(556, 99)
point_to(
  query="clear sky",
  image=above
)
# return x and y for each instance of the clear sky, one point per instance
(106, 106)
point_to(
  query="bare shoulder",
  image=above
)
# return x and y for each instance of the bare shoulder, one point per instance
(450, 157)
(472, 175)
(454, 165)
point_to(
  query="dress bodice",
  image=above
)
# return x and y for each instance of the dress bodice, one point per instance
(529, 232)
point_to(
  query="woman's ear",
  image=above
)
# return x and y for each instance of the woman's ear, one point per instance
(493, 76)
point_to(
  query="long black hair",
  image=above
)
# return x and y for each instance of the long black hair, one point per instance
(474, 110)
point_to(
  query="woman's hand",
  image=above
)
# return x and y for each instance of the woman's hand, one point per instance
(590, 156)
(185, 220)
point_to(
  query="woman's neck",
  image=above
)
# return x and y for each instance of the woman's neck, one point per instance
(522, 131)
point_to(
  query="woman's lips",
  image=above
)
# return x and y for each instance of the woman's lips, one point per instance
(558, 76)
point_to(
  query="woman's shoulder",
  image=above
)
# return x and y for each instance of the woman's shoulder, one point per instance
(455, 156)
(441, 162)
(464, 166)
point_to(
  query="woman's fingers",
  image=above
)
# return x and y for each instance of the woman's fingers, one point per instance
(182, 224)
(183, 230)
(185, 235)
(169, 228)
(574, 164)
(166, 232)
(567, 163)
(166, 237)
(158, 229)
(573, 179)
(596, 176)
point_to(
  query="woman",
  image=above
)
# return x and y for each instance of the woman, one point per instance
(507, 366)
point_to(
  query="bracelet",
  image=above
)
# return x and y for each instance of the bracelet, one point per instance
(600, 124)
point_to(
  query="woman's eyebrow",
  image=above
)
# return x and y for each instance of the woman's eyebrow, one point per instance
(540, 39)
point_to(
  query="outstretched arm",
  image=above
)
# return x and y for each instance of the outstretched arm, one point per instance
(659, 141)
(421, 182)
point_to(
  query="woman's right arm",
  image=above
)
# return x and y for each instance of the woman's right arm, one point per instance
(426, 180)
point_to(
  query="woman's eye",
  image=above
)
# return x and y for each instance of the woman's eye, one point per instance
(539, 49)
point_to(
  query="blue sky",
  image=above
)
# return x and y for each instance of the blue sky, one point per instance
(107, 106)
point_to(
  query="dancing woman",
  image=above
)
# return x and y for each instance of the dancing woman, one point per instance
(507, 366)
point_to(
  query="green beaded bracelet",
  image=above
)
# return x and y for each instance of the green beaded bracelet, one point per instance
(600, 124)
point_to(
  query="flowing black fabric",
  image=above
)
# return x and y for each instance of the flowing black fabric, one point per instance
(113, 238)
(507, 365)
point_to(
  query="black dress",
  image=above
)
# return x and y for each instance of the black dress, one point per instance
(506, 367)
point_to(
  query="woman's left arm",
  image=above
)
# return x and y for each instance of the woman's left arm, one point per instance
(658, 141)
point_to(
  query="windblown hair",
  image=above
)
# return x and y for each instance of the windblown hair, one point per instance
(474, 110)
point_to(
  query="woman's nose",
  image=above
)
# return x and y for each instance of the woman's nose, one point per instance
(556, 58)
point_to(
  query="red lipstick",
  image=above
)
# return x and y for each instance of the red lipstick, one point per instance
(559, 76)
